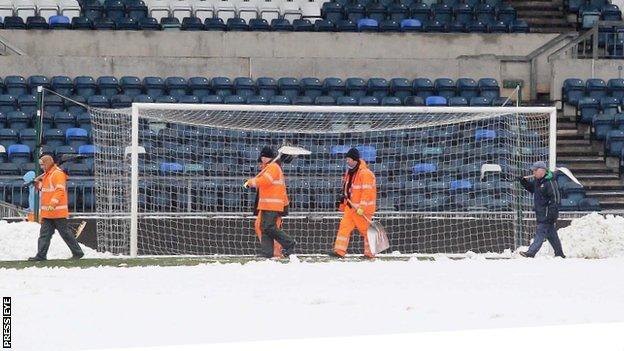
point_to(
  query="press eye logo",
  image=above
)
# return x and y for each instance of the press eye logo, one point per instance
(6, 322)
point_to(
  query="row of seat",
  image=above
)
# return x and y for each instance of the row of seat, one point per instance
(43, 8)
(574, 89)
(588, 15)
(17, 90)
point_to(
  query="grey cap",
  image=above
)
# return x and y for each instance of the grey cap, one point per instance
(538, 165)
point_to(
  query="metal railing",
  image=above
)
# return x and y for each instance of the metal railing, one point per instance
(605, 40)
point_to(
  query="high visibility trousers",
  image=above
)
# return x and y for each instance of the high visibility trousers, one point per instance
(351, 220)
(277, 248)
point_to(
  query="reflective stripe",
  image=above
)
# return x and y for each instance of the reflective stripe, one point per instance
(47, 190)
(277, 182)
(272, 200)
(363, 186)
(64, 207)
(340, 238)
(55, 200)
(269, 177)
(60, 186)
(364, 203)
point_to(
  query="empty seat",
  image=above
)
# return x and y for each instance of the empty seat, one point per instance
(98, 101)
(354, 12)
(85, 86)
(279, 100)
(27, 104)
(479, 101)
(288, 86)
(76, 137)
(36, 22)
(36, 81)
(601, 125)
(166, 99)
(244, 86)
(130, 86)
(188, 99)
(488, 88)
(302, 25)
(62, 85)
(323, 26)
(391, 101)
(236, 24)
(267, 87)
(149, 23)
(221, 86)
(259, 24)
(8, 137)
(54, 137)
(331, 11)
(75, 106)
(368, 25)
(445, 87)
(596, 88)
(400, 87)
(435, 101)
(234, 99)
(64, 120)
(176, 86)
(136, 10)
(614, 142)
(19, 153)
(411, 25)
(356, 87)
(181, 9)
(378, 87)
(281, 25)
(18, 120)
(368, 101)
(126, 23)
(16, 85)
(423, 87)
(467, 87)
(346, 101)
(212, 99)
(28, 137)
(8, 103)
(311, 87)
(215, 24)
(104, 24)
(324, 100)
(573, 89)
(192, 24)
(154, 86)
(120, 101)
(457, 101)
(414, 101)
(587, 108)
(334, 87)
(346, 26)
(589, 204)
(108, 86)
(170, 23)
(256, 100)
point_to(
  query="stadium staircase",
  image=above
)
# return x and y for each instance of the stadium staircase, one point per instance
(543, 16)
(585, 159)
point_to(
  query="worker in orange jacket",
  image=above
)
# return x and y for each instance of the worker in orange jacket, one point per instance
(272, 202)
(359, 187)
(54, 211)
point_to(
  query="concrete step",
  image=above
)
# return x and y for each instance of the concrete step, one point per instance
(541, 13)
(545, 22)
(567, 159)
(605, 193)
(593, 177)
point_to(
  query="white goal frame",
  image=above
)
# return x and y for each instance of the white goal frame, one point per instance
(136, 108)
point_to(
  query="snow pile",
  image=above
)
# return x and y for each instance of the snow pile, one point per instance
(18, 241)
(591, 236)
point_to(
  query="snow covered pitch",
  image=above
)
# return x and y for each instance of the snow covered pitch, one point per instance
(98, 307)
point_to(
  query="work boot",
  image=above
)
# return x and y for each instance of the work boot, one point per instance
(335, 254)
(78, 256)
(526, 254)
(369, 258)
(289, 251)
(36, 258)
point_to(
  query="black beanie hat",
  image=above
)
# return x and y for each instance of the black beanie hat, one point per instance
(354, 154)
(266, 152)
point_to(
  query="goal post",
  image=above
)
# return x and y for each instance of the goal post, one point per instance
(444, 174)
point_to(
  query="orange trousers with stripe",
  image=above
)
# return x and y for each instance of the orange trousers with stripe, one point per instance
(277, 248)
(351, 220)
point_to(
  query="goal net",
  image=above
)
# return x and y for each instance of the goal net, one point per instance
(169, 176)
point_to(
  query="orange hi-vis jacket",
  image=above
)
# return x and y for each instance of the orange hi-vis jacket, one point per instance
(54, 193)
(271, 189)
(363, 189)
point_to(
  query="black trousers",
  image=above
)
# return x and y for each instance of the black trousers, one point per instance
(270, 232)
(48, 225)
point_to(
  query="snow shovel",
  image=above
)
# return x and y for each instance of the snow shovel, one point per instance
(376, 234)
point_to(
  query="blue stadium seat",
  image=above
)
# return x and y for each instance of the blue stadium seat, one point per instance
(346, 101)
(108, 86)
(324, 100)
(77, 107)
(166, 99)
(279, 100)
(506, 14)
(368, 25)
(192, 24)
(8, 103)
(199, 86)
(120, 101)
(614, 143)
(88, 153)
(601, 125)
(331, 11)
(176, 86)
(53, 137)
(463, 13)
(519, 26)
(389, 26)
(281, 25)
(368, 101)
(391, 101)
(15, 85)
(488, 88)
(467, 87)
(142, 98)
(479, 101)
(83, 121)
(234, 99)
(62, 85)
(244, 86)
(53, 103)
(423, 87)
(477, 26)
(214, 24)
(136, 10)
(27, 104)
(76, 137)
(485, 13)
(188, 99)
(346, 26)
(596, 88)
(259, 25)
(610, 12)
(302, 100)
(435, 101)
(221, 86)
(445, 87)
(171, 168)
(573, 90)
(414, 101)
(288, 86)
(354, 12)
(236, 25)
(14, 22)
(92, 10)
(420, 11)
(482, 135)
(424, 170)
(150, 23)
(398, 12)
(457, 101)
(400, 87)
(85, 86)
(356, 87)
(303, 25)
(8, 137)
(378, 87)
(154, 86)
(81, 23)
(311, 87)
(334, 87)
(411, 25)
(434, 26)
(98, 101)
(35, 81)
(587, 108)
(609, 105)
(618, 121)
(19, 153)
(376, 11)
(323, 25)
(442, 13)
(59, 151)
(64, 120)
(499, 27)
(114, 9)
(79, 170)
(460, 185)
(615, 88)
(9, 169)
(18, 120)
(28, 137)
(126, 23)
(257, 100)
(572, 190)
(212, 99)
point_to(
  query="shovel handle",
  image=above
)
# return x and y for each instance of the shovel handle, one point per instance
(352, 205)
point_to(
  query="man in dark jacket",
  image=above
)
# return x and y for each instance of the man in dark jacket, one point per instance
(546, 199)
